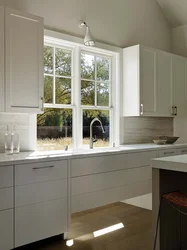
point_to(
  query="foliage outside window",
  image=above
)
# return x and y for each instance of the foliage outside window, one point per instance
(55, 126)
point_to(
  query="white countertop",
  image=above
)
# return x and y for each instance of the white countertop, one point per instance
(26, 157)
(173, 163)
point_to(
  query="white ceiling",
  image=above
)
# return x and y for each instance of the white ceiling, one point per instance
(175, 11)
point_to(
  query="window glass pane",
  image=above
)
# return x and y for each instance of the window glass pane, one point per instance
(87, 66)
(87, 93)
(103, 67)
(102, 138)
(48, 59)
(48, 89)
(63, 90)
(54, 129)
(103, 94)
(63, 62)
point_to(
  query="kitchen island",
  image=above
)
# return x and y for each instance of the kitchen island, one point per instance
(169, 174)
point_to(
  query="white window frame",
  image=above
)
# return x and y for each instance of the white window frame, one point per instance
(75, 44)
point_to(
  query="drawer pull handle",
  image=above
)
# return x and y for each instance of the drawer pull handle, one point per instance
(36, 168)
(184, 151)
(166, 153)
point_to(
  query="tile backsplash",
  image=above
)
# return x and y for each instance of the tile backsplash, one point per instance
(143, 129)
(26, 127)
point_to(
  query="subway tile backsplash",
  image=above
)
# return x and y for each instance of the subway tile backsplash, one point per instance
(143, 129)
(26, 128)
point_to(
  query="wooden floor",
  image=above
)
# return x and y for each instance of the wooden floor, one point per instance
(136, 234)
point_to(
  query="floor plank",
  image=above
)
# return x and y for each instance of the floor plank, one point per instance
(136, 234)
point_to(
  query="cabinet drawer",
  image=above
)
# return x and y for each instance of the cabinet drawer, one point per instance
(6, 176)
(40, 172)
(98, 164)
(6, 198)
(86, 201)
(141, 159)
(168, 152)
(39, 192)
(107, 163)
(39, 221)
(182, 151)
(92, 183)
(6, 230)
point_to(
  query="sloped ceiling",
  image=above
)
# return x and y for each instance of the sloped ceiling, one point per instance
(175, 11)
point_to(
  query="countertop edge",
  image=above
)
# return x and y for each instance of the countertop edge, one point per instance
(22, 158)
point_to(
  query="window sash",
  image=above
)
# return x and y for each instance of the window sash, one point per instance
(75, 77)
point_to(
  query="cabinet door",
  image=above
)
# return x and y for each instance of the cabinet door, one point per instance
(6, 230)
(163, 86)
(179, 85)
(39, 221)
(1, 58)
(147, 81)
(24, 62)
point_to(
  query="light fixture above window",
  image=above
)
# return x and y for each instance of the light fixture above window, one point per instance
(88, 39)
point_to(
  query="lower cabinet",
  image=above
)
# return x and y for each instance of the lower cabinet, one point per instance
(6, 230)
(41, 201)
(128, 176)
(39, 221)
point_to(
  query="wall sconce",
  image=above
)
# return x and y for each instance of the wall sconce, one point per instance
(88, 39)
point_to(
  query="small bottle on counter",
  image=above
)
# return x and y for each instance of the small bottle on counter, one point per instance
(16, 142)
(8, 141)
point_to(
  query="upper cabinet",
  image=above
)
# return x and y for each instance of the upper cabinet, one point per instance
(148, 81)
(154, 83)
(23, 57)
(179, 85)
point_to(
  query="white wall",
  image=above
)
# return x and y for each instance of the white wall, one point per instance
(179, 40)
(143, 201)
(117, 22)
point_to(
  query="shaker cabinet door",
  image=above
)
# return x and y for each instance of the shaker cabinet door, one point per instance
(148, 81)
(179, 85)
(6, 230)
(163, 89)
(24, 62)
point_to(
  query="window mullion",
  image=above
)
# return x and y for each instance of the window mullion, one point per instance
(95, 80)
(54, 79)
(77, 119)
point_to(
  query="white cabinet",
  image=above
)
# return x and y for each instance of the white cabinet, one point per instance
(39, 221)
(41, 201)
(147, 82)
(167, 152)
(24, 62)
(6, 208)
(101, 180)
(179, 85)
(182, 151)
(163, 86)
(6, 230)
(21, 62)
